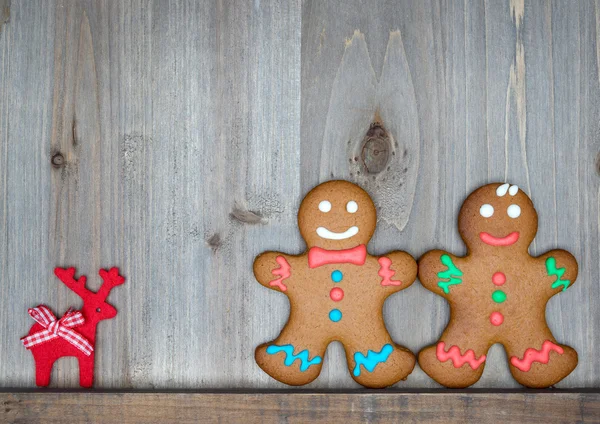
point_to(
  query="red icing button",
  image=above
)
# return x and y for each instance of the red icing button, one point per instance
(496, 318)
(336, 294)
(499, 278)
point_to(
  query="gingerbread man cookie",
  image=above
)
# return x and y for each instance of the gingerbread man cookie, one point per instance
(336, 292)
(497, 294)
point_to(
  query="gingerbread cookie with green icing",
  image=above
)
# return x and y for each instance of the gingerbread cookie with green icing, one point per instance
(336, 291)
(497, 294)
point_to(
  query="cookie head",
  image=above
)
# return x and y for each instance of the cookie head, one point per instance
(498, 216)
(337, 215)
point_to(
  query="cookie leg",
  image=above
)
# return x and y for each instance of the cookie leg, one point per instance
(538, 361)
(295, 357)
(377, 362)
(457, 360)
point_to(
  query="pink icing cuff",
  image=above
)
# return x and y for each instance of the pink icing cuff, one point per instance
(532, 355)
(283, 272)
(455, 356)
(386, 273)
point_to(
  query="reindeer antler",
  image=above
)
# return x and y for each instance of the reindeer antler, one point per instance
(67, 276)
(110, 278)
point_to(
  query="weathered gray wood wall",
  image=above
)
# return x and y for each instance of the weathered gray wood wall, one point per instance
(176, 139)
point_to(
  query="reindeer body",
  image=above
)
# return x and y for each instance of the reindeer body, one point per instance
(94, 310)
(46, 354)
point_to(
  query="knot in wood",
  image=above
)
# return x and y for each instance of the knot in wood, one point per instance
(58, 160)
(598, 164)
(375, 153)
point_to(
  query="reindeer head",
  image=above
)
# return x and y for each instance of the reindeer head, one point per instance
(95, 308)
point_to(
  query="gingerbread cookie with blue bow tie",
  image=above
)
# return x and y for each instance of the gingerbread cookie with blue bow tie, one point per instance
(336, 292)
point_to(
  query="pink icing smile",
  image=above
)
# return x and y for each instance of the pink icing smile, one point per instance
(499, 241)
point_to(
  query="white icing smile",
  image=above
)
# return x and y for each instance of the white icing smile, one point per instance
(326, 234)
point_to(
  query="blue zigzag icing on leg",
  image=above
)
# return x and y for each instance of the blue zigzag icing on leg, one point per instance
(303, 356)
(372, 359)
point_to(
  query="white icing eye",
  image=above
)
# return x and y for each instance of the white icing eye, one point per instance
(325, 206)
(514, 211)
(486, 210)
(352, 206)
(501, 191)
(513, 190)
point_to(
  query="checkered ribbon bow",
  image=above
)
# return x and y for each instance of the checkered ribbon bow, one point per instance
(61, 328)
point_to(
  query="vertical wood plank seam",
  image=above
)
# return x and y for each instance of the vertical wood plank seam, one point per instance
(517, 87)
(487, 85)
(597, 9)
(467, 128)
(5, 37)
(553, 123)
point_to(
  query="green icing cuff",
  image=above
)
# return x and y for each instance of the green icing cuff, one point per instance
(450, 275)
(558, 272)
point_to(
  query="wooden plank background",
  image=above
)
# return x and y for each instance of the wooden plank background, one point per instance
(175, 139)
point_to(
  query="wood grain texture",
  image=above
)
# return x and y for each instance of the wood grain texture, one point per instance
(169, 116)
(4, 12)
(433, 407)
(175, 139)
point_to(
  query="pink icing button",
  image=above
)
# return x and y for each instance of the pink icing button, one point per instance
(499, 278)
(336, 294)
(496, 318)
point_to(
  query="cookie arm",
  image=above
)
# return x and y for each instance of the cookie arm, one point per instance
(560, 268)
(439, 272)
(397, 271)
(272, 270)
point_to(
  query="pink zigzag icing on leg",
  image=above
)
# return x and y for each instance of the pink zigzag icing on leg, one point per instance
(283, 272)
(458, 360)
(532, 355)
(386, 273)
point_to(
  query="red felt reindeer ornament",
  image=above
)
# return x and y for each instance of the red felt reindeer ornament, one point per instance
(75, 333)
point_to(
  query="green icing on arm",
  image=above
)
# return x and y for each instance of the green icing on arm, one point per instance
(450, 275)
(558, 272)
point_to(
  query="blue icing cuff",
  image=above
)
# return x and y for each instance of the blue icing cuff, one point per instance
(305, 362)
(372, 359)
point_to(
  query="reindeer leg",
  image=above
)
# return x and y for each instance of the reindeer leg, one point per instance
(43, 369)
(86, 370)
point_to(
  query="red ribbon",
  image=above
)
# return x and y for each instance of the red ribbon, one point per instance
(61, 328)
